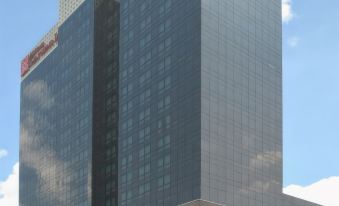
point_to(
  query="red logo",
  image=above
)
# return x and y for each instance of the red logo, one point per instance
(25, 65)
(36, 55)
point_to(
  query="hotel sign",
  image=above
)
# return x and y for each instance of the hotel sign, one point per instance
(32, 58)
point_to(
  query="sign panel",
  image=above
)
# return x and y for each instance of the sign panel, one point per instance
(32, 58)
(25, 65)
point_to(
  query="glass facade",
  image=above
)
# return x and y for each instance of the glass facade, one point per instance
(241, 103)
(201, 103)
(159, 135)
(56, 120)
(69, 114)
(157, 103)
(105, 103)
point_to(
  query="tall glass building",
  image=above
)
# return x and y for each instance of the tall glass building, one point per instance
(155, 103)
(69, 109)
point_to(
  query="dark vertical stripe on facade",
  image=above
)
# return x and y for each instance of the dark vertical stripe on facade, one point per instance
(105, 102)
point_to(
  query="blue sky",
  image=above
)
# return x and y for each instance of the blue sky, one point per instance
(311, 82)
(311, 92)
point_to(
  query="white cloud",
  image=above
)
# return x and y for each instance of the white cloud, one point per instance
(287, 12)
(324, 192)
(293, 41)
(3, 153)
(9, 189)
